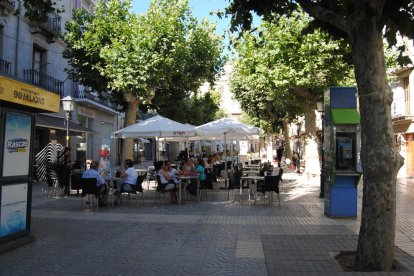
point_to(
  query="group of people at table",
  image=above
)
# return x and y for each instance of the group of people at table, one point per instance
(168, 176)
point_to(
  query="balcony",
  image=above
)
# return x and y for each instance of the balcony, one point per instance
(7, 6)
(51, 28)
(83, 92)
(5, 67)
(44, 81)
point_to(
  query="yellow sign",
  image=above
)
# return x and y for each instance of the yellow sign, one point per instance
(24, 94)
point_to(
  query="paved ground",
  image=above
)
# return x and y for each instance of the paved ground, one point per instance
(214, 237)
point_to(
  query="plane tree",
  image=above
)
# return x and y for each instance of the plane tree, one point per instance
(364, 25)
(166, 49)
(281, 70)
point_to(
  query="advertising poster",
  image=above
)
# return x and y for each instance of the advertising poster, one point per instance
(13, 209)
(17, 144)
(104, 163)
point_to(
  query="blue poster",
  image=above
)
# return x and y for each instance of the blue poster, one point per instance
(13, 209)
(17, 135)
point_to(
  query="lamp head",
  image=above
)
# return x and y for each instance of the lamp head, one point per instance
(320, 106)
(68, 104)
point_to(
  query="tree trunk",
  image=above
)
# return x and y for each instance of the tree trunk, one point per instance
(287, 148)
(312, 166)
(379, 155)
(130, 119)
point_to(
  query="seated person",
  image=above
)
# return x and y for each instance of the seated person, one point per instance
(172, 172)
(189, 165)
(92, 172)
(128, 178)
(166, 180)
(199, 169)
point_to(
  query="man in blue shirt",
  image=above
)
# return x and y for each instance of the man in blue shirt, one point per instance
(93, 173)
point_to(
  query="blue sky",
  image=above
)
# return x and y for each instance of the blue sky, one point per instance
(200, 9)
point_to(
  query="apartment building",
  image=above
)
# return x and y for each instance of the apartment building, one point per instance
(31, 53)
(402, 110)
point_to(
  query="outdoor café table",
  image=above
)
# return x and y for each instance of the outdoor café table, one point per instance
(186, 177)
(251, 166)
(111, 181)
(251, 172)
(252, 180)
(141, 171)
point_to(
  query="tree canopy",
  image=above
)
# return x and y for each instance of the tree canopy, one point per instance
(280, 68)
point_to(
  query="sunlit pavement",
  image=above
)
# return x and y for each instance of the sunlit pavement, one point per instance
(218, 236)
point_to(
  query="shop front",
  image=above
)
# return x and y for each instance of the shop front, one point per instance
(19, 102)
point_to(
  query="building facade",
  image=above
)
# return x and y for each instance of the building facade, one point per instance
(402, 111)
(31, 52)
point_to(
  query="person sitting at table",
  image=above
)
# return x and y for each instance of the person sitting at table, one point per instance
(189, 165)
(92, 172)
(128, 179)
(172, 172)
(167, 183)
(192, 187)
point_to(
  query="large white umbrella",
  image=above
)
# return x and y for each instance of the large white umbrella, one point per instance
(157, 127)
(227, 129)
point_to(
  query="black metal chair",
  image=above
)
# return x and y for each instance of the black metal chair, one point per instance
(271, 184)
(89, 188)
(161, 189)
(208, 183)
(136, 189)
(75, 183)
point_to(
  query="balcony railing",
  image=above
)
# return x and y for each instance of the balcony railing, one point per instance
(53, 22)
(5, 66)
(81, 91)
(45, 81)
(8, 5)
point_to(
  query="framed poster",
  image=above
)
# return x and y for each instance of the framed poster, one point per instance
(13, 216)
(17, 134)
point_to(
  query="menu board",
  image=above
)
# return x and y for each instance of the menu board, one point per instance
(17, 136)
(13, 214)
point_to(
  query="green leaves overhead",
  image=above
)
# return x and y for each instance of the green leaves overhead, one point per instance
(166, 49)
(279, 68)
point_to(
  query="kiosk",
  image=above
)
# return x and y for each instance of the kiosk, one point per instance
(341, 152)
(19, 102)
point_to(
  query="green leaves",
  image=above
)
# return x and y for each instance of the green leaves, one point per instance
(165, 50)
(279, 69)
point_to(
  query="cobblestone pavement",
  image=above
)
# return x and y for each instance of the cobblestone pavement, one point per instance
(215, 237)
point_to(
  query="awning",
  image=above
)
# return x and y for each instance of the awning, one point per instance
(345, 116)
(401, 124)
(43, 120)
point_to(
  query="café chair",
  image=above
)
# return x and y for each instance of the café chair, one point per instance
(89, 188)
(160, 190)
(136, 189)
(271, 185)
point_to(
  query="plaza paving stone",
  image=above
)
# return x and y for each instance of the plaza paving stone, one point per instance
(213, 237)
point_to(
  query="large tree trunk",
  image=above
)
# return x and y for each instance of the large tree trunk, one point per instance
(286, 136)
(130, 119)
(380, 158)
(312, 166)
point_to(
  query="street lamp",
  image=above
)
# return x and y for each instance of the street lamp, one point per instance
(321, 109)
(68, 106)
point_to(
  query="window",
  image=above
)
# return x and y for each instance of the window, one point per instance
(406, 86)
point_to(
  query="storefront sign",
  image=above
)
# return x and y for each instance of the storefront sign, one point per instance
(13, 209)
(16, 144)
(24, 94)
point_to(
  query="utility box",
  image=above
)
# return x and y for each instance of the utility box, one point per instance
(341, 152)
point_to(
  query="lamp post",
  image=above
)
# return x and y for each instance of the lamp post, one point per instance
(321, 109)
(68, 106)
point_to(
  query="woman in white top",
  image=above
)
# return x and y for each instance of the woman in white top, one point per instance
(128, 177)
(166, 181)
